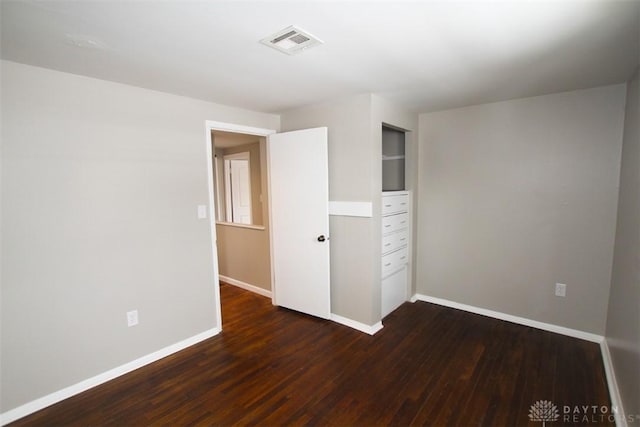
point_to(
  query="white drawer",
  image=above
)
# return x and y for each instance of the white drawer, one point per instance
(394, 261)
(392, 204)
(393, 241)
(394, 291)
(394, 222)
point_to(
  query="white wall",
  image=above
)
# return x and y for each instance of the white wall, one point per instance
(100, 183)
(623, 321)
(518, 195)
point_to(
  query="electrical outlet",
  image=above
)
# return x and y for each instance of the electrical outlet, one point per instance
(132, 318)
(561, 290)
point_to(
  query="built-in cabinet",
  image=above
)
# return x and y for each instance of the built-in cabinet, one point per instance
(396, 238)
(396, 222)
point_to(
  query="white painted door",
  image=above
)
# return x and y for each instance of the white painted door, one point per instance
(240, 191)
(237, 192)
(299, 193)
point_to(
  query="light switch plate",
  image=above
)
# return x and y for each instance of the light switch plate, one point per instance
(132, 318)
(561, 290)
(202, 211)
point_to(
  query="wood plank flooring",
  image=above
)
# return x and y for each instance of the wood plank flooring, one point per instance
(430, 365)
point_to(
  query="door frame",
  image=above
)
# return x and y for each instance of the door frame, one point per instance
(211, 125)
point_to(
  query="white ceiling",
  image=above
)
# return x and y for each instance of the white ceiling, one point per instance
(425, 55)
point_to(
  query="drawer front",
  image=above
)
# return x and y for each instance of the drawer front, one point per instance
(393, 241)
(394, 222)
(394, 291)
(389, 242)
(392, 204)
(403, 238)
(394, 261)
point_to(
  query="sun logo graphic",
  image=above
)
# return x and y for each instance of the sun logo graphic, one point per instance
(543, 410)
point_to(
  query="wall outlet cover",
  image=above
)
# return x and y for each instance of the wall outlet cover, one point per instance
(132, 318)
(202, 211)
(561, 290)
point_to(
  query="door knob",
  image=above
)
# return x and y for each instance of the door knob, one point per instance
(321, 238)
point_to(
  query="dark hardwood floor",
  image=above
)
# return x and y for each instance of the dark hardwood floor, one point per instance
(430, 365)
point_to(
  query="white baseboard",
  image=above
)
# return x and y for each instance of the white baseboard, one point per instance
(246, 286)
(510, 318)
(371, 330)
(612, 383)
(65, 393)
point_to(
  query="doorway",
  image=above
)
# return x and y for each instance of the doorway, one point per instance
(300, 279)
(239, 211)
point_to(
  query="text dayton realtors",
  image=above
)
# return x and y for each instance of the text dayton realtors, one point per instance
(594, 414)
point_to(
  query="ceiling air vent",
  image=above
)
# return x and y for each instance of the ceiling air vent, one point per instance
(291, 40)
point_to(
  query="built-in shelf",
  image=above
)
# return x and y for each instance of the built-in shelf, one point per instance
(393, 159)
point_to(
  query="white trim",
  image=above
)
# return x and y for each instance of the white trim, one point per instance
(612, 384)
(218, 182)
(244, 155)
(371, 330)
(238, 225)
(230, 127)
(212, 228)
(396, 193)
(246, 286)
(65, 393)
(267, 161)
(511, 318)
(360, 209)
